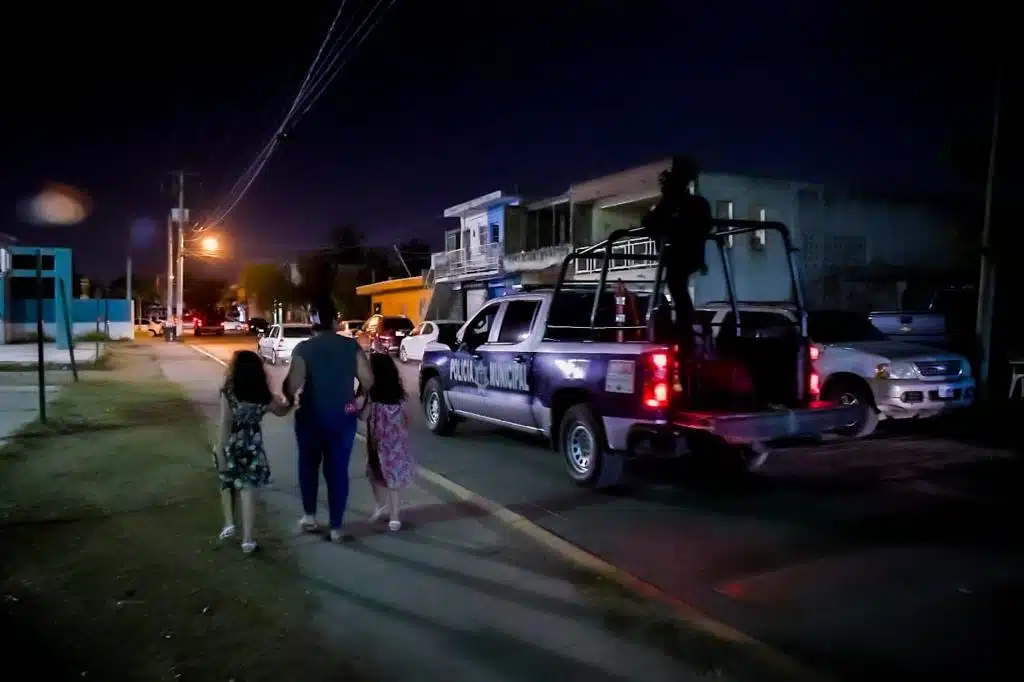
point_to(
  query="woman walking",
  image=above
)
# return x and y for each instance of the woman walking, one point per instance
(389, 464)
(323, 373)
(241, 460)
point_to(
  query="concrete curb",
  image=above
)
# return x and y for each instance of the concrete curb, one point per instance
(772, 658)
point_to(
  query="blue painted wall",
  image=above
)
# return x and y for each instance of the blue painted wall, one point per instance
(61, 273)
(110, 310)
(496, 216)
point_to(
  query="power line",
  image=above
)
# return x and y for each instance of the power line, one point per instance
(317, 77)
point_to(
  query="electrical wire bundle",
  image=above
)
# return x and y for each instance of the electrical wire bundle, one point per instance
(335, 51)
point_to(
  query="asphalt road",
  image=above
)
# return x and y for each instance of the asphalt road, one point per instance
(896, 554)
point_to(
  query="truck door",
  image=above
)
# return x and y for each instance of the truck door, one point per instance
(510, 364)
(467, 368)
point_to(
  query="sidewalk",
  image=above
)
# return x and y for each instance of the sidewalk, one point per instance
(19, 402)
(453, 596)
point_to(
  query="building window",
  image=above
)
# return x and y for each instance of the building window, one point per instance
(724, 211)
(495, 233)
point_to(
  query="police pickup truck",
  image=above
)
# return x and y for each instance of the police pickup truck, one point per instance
(521, 363)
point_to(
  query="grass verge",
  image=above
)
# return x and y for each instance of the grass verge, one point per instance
(111, 569)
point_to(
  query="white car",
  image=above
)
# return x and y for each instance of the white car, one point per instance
(350, 327)
(277, 344)
(233, 326)
(155, 326)
(413, 345)
(859, 365)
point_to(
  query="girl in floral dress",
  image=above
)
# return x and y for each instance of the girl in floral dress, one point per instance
(241, 461)
(389, 464)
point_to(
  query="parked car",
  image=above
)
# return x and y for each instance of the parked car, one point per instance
(277, 344)
(233, 325)
(257, 325)
(155, 326)
(208, 324)
(350, 328)
(411, 348)
(858, 364)
(945, 320)
(384, 333)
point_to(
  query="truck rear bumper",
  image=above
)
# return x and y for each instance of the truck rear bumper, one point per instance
(668, 439)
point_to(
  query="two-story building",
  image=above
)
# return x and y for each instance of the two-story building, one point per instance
(857, 249)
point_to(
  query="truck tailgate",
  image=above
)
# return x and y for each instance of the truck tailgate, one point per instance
(748, 427)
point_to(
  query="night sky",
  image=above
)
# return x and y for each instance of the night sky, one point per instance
(450, 99)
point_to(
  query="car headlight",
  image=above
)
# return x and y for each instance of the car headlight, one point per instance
(895, 370)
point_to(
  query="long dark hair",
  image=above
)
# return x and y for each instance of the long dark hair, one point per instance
(247, 380)
(387, 384)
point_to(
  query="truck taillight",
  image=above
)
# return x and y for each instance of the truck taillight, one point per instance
(815, 352)
(656, 384)
(815, 385)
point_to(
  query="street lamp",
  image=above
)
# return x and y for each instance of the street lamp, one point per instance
(209, 244)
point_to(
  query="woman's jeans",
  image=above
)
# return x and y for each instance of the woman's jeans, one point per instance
(325, 440)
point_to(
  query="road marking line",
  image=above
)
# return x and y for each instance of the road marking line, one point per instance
(560, 547)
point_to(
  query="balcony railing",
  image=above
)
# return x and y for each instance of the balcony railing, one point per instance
(537, 259)
(478, 260)
(642, 246)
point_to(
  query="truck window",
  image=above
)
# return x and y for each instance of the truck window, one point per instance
(841, 326)
(758, 324)
(518, 320)
(479, 328)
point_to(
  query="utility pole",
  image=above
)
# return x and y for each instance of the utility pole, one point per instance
(169, 301)
(182, 219)
(128, 288)
(987, 281)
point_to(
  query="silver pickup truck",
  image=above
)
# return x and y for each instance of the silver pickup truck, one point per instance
(859, 365)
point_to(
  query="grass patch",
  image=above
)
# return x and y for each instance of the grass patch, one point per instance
(632, 615)
(111, 569)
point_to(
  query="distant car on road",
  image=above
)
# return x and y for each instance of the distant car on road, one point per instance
(233, 325)
(209, 324)
(155, 326)
(258, 325)
(411, 348)
(277, 344)
(350, 328)
(384, 333)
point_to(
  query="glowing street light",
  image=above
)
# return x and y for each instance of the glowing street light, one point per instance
(209, 244)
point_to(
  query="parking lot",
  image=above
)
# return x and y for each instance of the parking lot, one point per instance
(902, 545)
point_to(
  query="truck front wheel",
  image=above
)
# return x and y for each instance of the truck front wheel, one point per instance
(854, 392)
(435, 411)
(588, 460)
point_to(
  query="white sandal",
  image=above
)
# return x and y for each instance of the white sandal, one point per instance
(394, 525)
(227, 532)
(249, 547)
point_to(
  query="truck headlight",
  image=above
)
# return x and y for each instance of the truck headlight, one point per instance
(895, 370)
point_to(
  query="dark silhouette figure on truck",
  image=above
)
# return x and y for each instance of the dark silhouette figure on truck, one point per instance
(680, 224)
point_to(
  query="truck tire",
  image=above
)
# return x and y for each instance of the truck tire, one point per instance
(854, 392)
(588, 460)
(439, 420)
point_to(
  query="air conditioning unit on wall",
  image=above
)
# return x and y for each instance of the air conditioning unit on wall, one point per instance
(5, 262)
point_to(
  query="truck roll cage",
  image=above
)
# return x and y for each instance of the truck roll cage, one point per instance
(722, 230)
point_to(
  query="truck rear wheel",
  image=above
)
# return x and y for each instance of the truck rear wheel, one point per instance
(439, 419)
(854, 392)
(588, 460)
